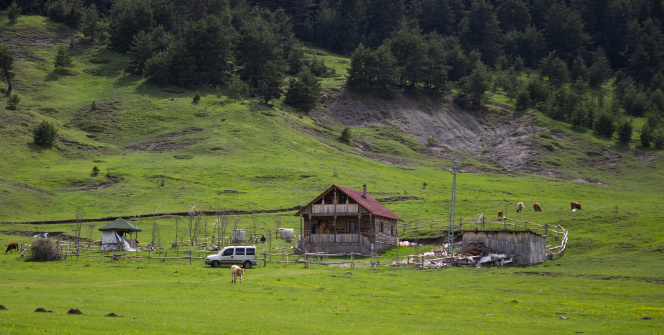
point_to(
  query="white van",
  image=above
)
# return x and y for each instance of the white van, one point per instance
(244, 255)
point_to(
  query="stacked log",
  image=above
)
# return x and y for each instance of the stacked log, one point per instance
(476, 249)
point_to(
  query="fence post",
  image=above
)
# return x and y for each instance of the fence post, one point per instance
(408, 262)
(264, 259)
(189, 256)
(149, 256)
(546, 229)
(352, 259)
(164, 260)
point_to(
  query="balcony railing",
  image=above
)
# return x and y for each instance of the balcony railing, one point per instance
(331, 209)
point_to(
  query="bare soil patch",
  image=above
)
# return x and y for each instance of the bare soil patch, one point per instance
(496, 134)
(166, 143)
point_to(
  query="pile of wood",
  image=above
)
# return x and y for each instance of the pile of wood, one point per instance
(476, 249)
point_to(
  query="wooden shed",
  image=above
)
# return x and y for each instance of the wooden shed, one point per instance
(343, 220)
(526, 247)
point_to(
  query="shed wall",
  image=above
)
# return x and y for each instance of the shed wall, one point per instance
(525, 246)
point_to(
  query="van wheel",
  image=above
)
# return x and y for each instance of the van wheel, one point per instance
(247, 265)
(216, 264)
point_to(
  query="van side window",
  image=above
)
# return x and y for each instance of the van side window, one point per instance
(228, 252)
(239, 251)
(251, 251)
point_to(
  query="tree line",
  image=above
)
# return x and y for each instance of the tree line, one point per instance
(428, 46)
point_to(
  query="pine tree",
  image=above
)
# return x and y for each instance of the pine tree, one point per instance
(62, 59)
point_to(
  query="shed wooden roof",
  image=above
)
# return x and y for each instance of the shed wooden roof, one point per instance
(119, 225)
(369, 203)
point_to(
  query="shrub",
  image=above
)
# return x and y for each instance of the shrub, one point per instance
(346, 135)
(43, 250)
(13, 11)
(12, 102)
(658, 138)
(197, 98)
(604, 125)
(522, 100)
(646, 135)
(624, 131)
(93, 106)
(95, 171)
(45, 134)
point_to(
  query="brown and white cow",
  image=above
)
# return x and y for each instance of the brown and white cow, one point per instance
(537, 207)
(11, 247)
(519, 207)
(500, 214)
(236, 272)
(576, 205)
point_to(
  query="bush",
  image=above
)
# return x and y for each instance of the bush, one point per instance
(346, 135)
(45, 134)
(197, 98)
(522, 100)
(12, 102)
(646, 135)
(43, 250)
(658, 139)
(13, 11)
(624, 131)
(604, 125)
(95, 171)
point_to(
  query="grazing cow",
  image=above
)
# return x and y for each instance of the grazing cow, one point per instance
(537, 207)
(174, 245)
(500, 214)
(576, 205)
(236, 272)
(11, 247)
(519, 207)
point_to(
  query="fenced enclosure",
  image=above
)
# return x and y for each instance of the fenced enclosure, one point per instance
(549, 233)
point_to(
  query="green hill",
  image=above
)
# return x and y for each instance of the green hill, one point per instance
(154, 148)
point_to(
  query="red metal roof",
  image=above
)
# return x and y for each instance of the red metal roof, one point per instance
(371, 204)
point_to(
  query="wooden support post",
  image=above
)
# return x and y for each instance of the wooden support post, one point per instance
(164, 260)
(189, 256)
(265, 259)
(310, 229)
(546, 229)
(407, 262)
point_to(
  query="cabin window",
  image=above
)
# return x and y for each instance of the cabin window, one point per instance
(380, 227)
(351, 225)
(343, 199)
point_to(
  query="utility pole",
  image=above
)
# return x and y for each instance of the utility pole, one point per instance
(450, 229)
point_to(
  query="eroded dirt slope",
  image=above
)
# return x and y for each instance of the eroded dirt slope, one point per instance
(503, 138)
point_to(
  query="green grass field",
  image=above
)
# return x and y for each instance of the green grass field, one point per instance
(156, 150)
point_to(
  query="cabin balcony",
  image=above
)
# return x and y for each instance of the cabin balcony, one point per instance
(342, 209)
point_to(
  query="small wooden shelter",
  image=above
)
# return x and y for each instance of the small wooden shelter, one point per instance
(114, 235)
(343, 220)
(526, 247)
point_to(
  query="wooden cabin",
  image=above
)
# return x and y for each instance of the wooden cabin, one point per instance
(344, 220)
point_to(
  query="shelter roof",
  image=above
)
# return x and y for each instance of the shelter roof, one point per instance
(369, 203)
(119, 225)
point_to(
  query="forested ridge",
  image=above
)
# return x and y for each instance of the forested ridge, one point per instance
(613, 49)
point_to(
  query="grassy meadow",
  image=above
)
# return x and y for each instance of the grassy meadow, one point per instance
(158, 151)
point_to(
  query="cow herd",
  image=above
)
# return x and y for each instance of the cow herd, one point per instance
(538, 208)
